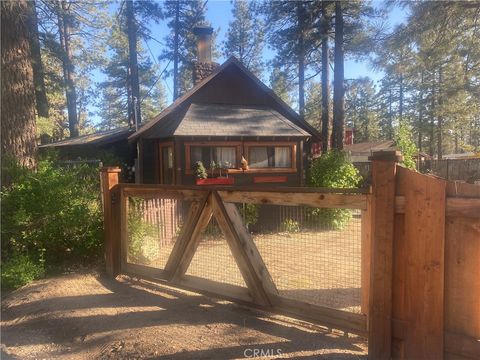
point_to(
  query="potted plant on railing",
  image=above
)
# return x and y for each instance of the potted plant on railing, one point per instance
(202, 176)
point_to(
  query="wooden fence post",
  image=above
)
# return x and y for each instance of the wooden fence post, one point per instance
(381, 269)
(108, 181)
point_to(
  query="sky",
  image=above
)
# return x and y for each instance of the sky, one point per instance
(219, 14)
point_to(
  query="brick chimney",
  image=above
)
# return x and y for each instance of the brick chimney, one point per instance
(203, 66)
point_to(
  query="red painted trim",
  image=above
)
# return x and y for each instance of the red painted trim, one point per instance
(216, 181)
(269, 179)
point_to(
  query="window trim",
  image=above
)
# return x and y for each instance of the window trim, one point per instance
(291, 144)
(161, 146)
(187, 145)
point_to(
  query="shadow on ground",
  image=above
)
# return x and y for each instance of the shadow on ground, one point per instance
(88, 316)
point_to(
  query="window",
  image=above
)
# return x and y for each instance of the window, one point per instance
(270, 157)
(225, 155)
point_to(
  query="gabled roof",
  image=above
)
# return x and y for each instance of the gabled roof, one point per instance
(230, 120)
(232, 61)
(95, 139)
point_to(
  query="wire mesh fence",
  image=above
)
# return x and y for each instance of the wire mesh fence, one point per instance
(313, 255)
(213, 259)
(153, 227)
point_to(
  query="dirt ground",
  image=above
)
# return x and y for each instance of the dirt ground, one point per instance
(320, 267)
(88, 316)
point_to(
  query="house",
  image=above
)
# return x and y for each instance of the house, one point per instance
(97, 146)
(228, 115)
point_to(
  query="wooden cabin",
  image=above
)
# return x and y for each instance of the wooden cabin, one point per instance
(227, 116)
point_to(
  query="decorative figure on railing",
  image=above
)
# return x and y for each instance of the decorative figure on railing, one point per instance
(244, 164)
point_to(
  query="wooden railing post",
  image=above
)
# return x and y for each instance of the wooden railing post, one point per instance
(108, 181)
(381, 268)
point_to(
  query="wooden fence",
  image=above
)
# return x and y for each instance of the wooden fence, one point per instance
(420, 256)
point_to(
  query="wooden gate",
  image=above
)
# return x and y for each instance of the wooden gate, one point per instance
(419, 242)
(204, 205)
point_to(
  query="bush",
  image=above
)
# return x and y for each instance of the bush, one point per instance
(19, 271)
(53, 215)
(333, 170)
(290, 226)
(138, 233)
(200, 171)
(405, 143)
(249, 213)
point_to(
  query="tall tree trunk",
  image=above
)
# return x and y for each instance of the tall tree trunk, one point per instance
(64, 27)
(401, 99)
(440, 117)
(432, 117)
(338, 81)
(301, 19)
(420, 113)
(175, 51)
(38, 73)
(18, 126)
(390, 112)
(326, 115)
(133, 62)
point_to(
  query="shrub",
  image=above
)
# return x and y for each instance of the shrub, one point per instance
(333, 170)
(53, 215)
(139, 233)
(405, 143)
(290, 226)
(20, 270)
(200, 171)
(249, 213)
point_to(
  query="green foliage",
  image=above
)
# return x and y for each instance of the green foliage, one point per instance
(191, 13)
(333, 170)
(330, 219)
(405, 143)
(361, 111)
(290, 226)
(20, 270)
(249, 213)
(200, 171)
(245, 36)
(52, 215)
(138, 232)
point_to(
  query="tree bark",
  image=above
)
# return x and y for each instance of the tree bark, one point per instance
(65, 28)
(133, 62)
(18, 125)
(440, 117)
(326, 114)
(338, 81)
(175, 51)
(38, 73)
(432, 117)
(390, 112)
(301, 58)
(420, 113)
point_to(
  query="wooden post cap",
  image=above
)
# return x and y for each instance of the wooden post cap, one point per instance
(387, 155)
(111, 169)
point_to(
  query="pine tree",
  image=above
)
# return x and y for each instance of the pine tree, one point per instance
(116, 95)
(69, 70)
(245, 36)
(361, 109)
(18, 91)
(180, 47)
(281, 86)
(313, 104)
(291, 33)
